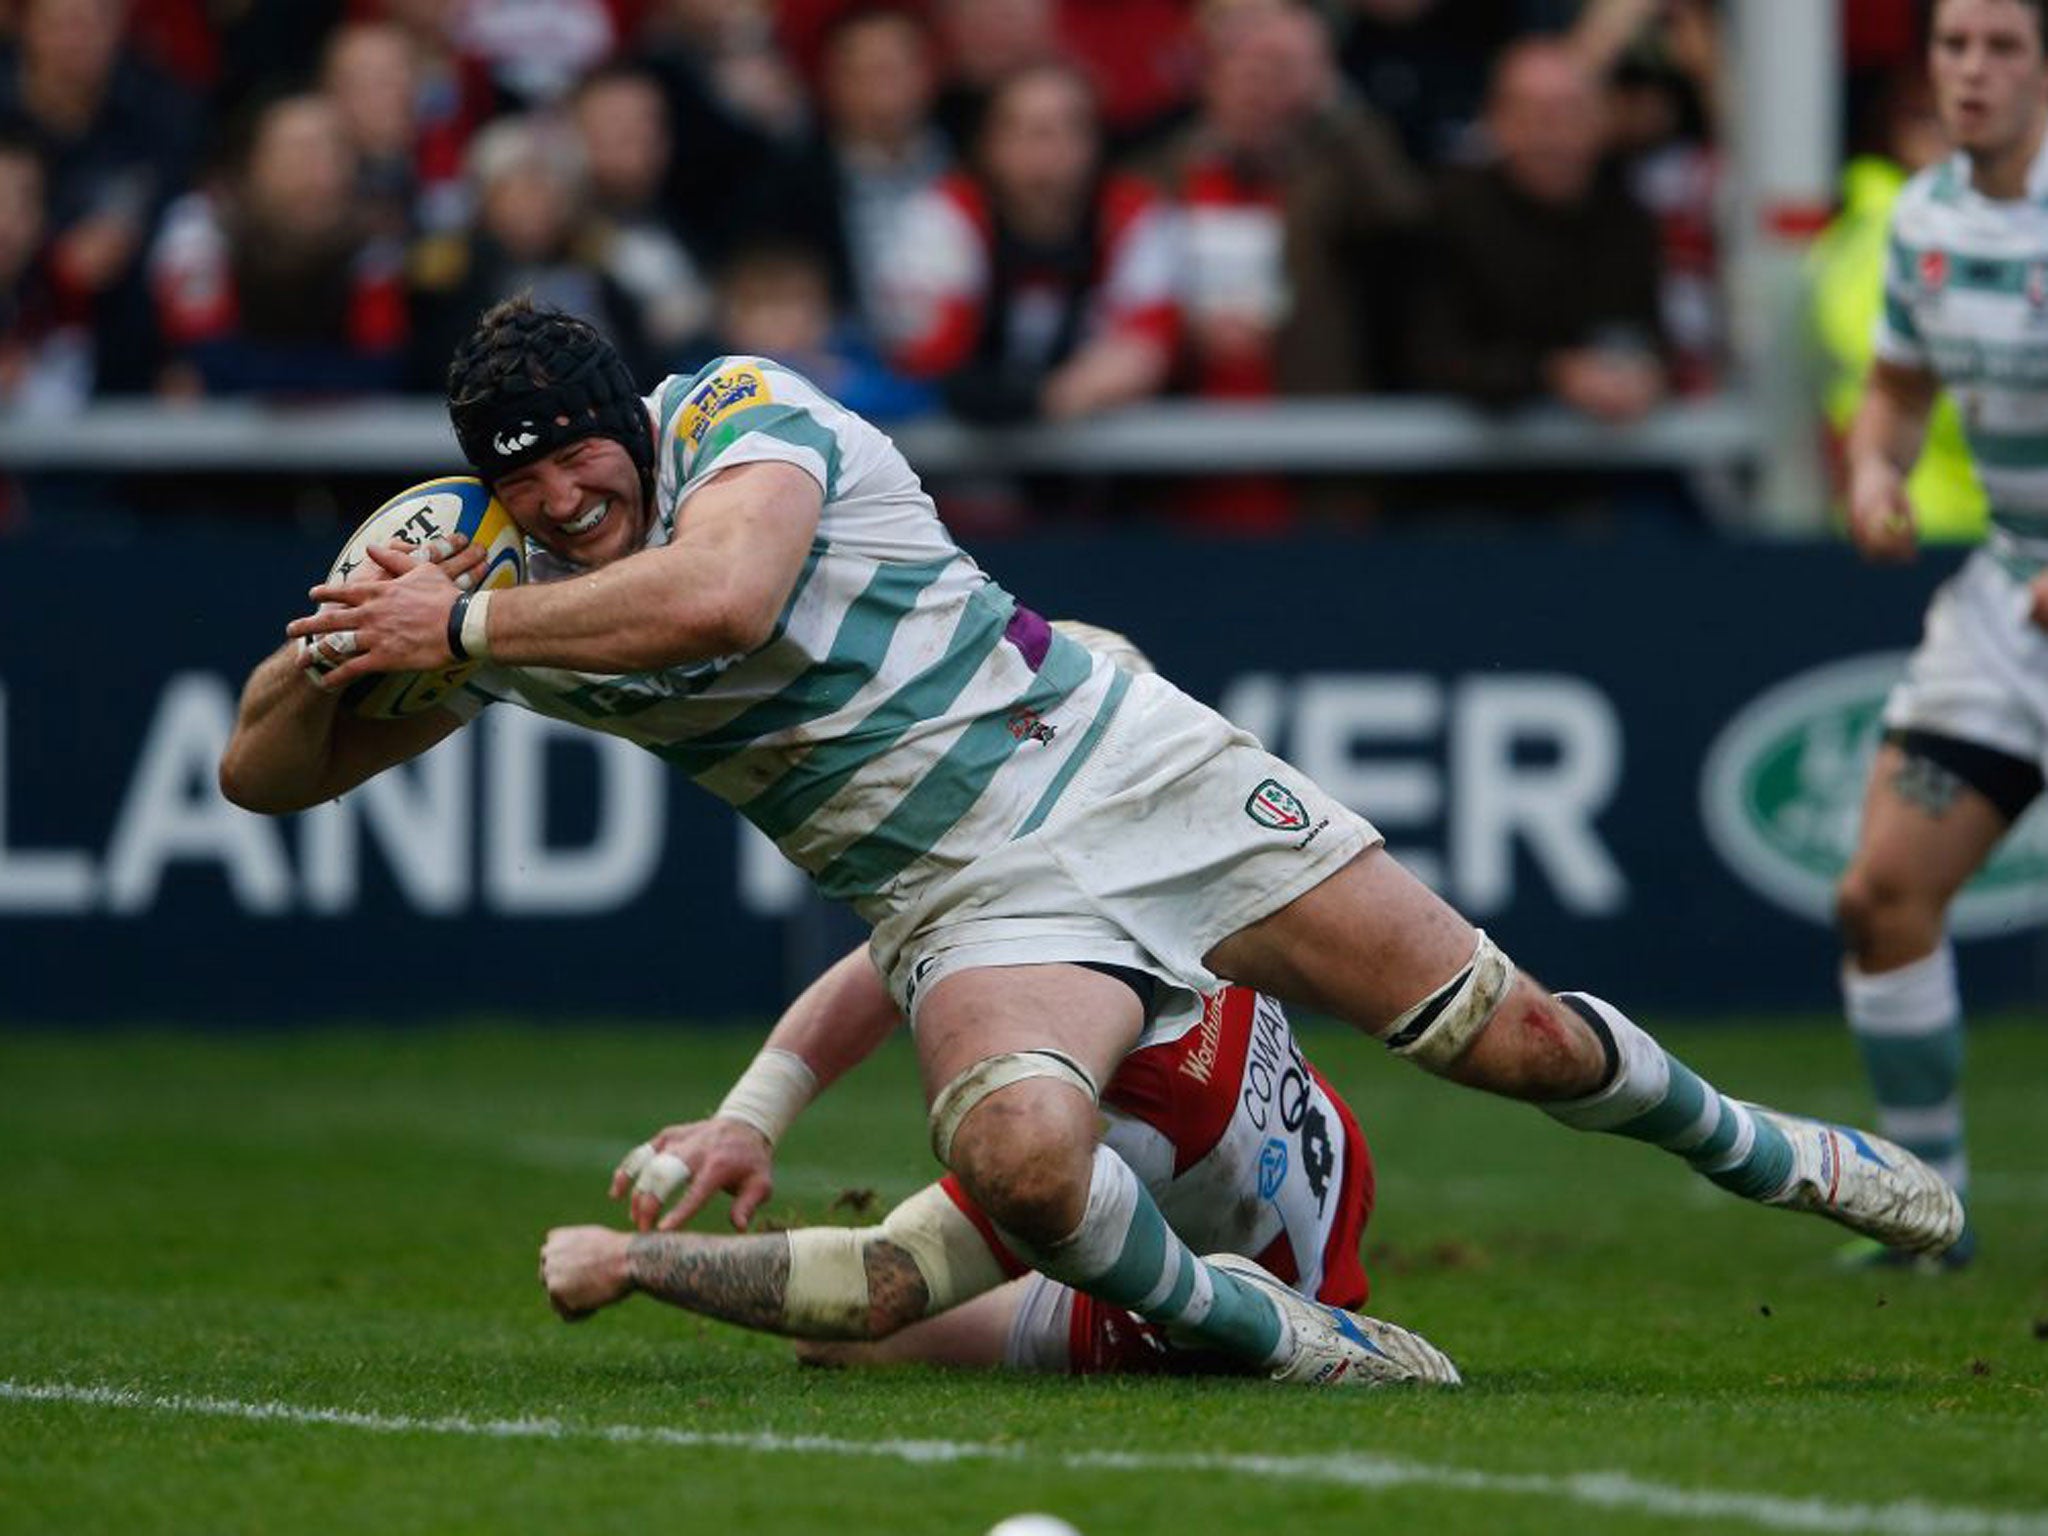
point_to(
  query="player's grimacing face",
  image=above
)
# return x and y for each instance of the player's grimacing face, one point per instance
(1990, 73)
(582, 501)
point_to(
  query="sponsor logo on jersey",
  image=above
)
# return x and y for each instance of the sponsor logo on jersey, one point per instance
(1781, 796)
(719, 396)
(1272, 1167)
(1200, 1063)
(1318, 1154)
(1025, 725)
(1933, 271)
(2037, 287)
(1274, 805)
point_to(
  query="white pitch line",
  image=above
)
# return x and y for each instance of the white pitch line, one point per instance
(1602, 1490)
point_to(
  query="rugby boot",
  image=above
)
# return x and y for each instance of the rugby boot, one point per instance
(1869, 1185)
(1332, 1347)
(1863, 1254)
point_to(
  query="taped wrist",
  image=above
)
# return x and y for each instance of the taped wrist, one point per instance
(771, 1093)
(476, 626)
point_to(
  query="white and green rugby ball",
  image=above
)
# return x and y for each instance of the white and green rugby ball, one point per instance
(433, 509)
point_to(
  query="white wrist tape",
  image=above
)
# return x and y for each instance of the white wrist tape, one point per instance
(771, 1093)
(476, 627)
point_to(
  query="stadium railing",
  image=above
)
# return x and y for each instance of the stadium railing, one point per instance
(1715, 437)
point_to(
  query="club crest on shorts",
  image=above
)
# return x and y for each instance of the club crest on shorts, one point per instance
(1274, 805)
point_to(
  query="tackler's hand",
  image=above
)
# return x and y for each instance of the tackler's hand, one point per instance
(584, 1270)
(697, 1160)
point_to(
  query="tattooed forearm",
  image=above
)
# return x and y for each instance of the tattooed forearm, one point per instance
(738, 1279)
(897, 1296)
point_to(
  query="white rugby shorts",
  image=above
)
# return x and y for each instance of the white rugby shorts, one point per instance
(1177, 832)
(1980, 673)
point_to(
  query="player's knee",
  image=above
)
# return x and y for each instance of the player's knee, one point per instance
(1018, 1129)
(1879, 910)
(1024, 1154)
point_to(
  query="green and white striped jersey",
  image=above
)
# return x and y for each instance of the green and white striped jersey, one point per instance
(905, 716)
(1966, 295)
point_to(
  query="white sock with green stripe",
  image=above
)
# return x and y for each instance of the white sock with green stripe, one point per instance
(1908, 1023)
(1123, 1252)
(1652, 1096)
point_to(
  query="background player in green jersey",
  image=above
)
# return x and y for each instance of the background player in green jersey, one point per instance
(1966, 298)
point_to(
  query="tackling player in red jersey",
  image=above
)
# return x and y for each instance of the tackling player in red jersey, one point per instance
(1245, 1146)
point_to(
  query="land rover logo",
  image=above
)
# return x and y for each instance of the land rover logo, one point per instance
(1782, 798)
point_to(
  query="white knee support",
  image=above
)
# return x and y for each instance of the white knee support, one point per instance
(827, 1294)
(958, 1098)
(1441, 1028)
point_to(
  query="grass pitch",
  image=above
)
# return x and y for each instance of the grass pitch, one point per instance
(286, 1283)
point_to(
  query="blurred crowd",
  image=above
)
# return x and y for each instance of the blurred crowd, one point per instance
(1004, 209)
(1000, 210)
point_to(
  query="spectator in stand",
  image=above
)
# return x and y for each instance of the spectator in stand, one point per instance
(876, 150)
(535, 50)
(1542, 277)
(734, 103)
(367, 72)
(1423, 64)
(45, 360)
(269, 280)
(621, 121)
(1294, 193)
(532, 236)
(1662, 61)
(1145, 58)
(984, 43)
(776, 301)
(179, 37)
(252, 49)
(452, 98)
(1296, 197)
(1039, 286)
(115, 136)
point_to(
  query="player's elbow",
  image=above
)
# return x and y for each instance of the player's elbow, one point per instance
(744, 625)
(721, 622)
(243, 783)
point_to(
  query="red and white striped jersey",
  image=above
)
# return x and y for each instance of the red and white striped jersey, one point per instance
(1246, 1148)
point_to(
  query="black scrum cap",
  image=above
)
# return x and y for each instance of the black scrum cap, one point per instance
(530, 378)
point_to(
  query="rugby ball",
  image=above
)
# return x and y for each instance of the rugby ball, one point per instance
(433, 509)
